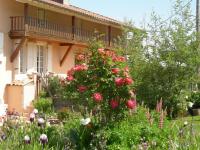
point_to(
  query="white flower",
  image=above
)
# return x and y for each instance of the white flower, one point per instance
(41, 121)
(85, 121)
(26, 138)
(190, 104)
(35, 111)
(185, 123)
(43, 138)
(186, 97)
(32, 115)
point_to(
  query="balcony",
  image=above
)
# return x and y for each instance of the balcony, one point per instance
(42, 29)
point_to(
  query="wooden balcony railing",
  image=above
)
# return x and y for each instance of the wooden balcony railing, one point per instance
(29, 26)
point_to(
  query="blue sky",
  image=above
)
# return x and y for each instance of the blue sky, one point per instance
(136, 10)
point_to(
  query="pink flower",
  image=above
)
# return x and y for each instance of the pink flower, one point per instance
(131, 104)
(82, 88)
(110, 53)
(115, 70)
(126, 69)
(119, 81)
(70, 78)
(80, 57)
(114, 104)
(101, 51)
(128, 81)
(97, 97)
(70, 72)
(118, 59)
(80, 67)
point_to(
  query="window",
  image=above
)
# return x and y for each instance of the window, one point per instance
(1, 43)
(41, 59)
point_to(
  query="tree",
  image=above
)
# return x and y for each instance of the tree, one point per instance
(168, 62)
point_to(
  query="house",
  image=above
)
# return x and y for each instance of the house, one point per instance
(43, 36)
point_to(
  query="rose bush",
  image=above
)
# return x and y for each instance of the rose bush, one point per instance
(102, 82)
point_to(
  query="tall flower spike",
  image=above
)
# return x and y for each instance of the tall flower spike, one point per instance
(161, 119)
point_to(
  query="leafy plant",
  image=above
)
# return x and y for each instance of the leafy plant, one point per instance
(43, 105)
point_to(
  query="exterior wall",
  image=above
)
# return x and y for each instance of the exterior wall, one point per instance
(28, 95)
(15, 97)
(57, 53)
(7, 8)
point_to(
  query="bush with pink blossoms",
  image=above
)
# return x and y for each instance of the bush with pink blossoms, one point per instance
(101, 83)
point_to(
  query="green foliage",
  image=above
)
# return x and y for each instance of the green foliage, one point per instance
(43, 105)
(168, 61)
(195, 98)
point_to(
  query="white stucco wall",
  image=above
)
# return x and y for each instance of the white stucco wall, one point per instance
(29, 94)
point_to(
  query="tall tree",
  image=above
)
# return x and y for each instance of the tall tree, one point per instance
(168, 62)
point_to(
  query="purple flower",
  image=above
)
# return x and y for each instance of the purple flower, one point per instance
(43, 138)
(32, 117)
(41, 122)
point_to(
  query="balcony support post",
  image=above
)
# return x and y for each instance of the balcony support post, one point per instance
(66, 54)
(16, 51)
(109, 35)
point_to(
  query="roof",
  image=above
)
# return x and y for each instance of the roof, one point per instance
(77, 11)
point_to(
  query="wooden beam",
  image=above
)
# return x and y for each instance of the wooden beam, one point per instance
(65, 44)
(65, 55)
(109, 35)
(16, 51)
(73, 27)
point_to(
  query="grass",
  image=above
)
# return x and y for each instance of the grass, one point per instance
(192, 121)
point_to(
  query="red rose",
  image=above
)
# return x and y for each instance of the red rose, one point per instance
(70, 78)
(114, 104)
(82, 88)
(128, 81)
(115, 70)
(70, 72)
(119, 59)
(97, 97)
(119, 81)
(80, 67)
(131, 104)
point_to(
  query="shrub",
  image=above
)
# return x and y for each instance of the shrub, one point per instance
(195, 98)
(43, 105)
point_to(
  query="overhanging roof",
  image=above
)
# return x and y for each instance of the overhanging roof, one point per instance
(74, 11)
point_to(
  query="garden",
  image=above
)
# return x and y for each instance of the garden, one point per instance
(135, 97)
(105, 113)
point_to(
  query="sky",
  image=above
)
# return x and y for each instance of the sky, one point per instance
(135, 10)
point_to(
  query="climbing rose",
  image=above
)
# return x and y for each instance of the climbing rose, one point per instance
(115, 70)
(119, 81)
(131, 104)
(128, 81)
(97, 97)
(114, 104)
(82, 88)
(70, 78)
